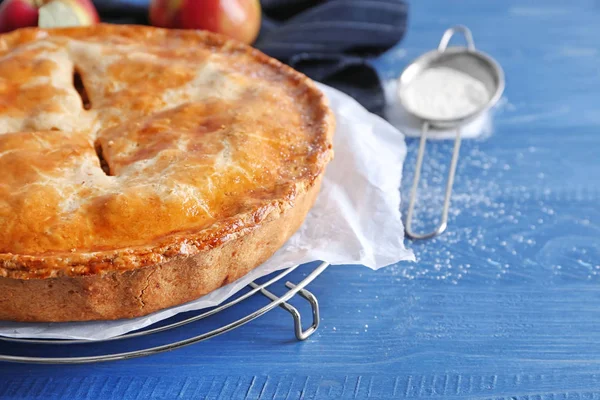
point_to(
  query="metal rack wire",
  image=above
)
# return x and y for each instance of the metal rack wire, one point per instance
(255, 288)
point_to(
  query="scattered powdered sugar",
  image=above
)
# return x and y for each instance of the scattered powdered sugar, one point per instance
(444, 93)
(500, 228)
(473, 200)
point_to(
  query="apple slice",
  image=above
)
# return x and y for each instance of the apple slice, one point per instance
(15, 14)
(63, 13)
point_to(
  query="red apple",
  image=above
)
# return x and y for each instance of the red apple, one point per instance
(238, 19)
(16, 14)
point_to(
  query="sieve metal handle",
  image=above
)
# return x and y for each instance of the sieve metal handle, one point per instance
(413, 192)
(451, 31)
(455, 152)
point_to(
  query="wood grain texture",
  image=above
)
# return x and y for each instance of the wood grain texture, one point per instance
(505, 305)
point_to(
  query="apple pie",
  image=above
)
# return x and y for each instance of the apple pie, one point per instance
(141, 168)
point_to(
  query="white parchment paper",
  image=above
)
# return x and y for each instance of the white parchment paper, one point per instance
(355, 220)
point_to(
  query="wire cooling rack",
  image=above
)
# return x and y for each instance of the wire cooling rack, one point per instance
(28, 345)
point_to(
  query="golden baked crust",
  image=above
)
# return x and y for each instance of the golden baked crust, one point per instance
(140, 291)
(125, 149)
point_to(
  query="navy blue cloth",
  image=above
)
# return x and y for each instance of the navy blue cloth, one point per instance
(329, 40)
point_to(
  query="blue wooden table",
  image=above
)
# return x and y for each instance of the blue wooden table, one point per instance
(506, 304)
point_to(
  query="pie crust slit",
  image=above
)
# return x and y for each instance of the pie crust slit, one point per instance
(141, 168)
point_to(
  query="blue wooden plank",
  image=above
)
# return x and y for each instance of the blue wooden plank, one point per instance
(446, 386)
(504, 305)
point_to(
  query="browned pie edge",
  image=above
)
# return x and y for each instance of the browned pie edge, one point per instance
(131, 282)
(137, 292)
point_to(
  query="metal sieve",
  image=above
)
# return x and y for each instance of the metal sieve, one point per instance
(469, 61)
